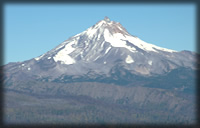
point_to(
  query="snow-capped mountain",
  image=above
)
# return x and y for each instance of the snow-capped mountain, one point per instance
(103, 73)
(102, 48)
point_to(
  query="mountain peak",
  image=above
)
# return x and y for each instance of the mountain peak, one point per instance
(100, 42)
(106, 24)
(106, 19)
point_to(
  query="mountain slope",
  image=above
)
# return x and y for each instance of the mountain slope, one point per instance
(107, 65)
(105, 45)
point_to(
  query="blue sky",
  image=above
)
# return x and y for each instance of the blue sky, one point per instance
(33, 29)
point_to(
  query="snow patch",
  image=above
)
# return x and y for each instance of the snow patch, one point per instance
(102, 44)
(68, 48)
(77, 34)
(65, 59)
(38, 58)
(100, 33)
(23, 64)
(104, 62)
(129, 59)
(29, 69)
(120, 28)
(100, 24)
(49, 58)
(63, 55)
(146, 46)
(117, 40)
(107, 50)
(91, 31)
(96, 58)
(150, 62)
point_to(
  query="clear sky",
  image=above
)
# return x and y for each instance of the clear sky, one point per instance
(33, 29)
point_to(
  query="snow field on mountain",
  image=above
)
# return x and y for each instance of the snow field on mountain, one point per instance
(145, 46)
(116, 40)
(63, 55)
(129, 59)
(102, 36)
